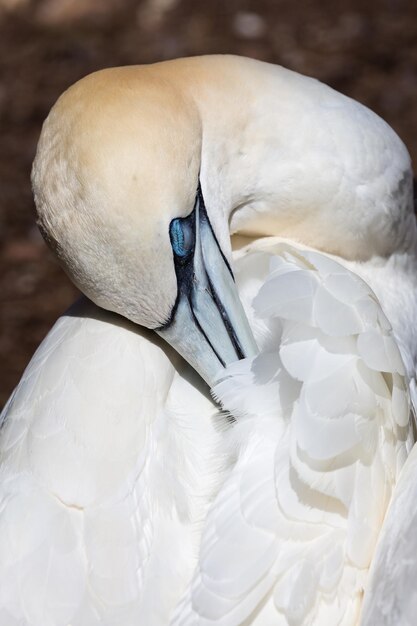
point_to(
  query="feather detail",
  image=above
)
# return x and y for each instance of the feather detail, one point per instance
(110, 483)
(322, 418)
(108, 468)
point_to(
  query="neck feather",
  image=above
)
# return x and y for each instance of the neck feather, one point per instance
(286, 155)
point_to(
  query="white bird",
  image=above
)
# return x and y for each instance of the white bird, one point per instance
(126, 496)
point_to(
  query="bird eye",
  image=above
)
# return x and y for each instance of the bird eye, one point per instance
(181, 232)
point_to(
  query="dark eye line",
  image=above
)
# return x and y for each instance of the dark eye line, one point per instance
(184, 265)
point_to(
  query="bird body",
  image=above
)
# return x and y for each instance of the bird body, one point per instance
(106, 470)
(116, 459)
(126, 496)
(317, 463)
(391, 592)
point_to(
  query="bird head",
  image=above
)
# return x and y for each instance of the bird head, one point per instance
(119, 197)
(142, 172)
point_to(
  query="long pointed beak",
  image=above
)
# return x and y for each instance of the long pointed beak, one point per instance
(209, 327)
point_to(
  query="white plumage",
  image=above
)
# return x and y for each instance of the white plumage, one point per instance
(102, 445)
(322, 432)
(117, 472)
(127, 497)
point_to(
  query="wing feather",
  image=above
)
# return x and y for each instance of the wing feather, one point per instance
(323, 427)
(107, 470)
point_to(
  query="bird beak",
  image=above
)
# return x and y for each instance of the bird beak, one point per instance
(208, 326)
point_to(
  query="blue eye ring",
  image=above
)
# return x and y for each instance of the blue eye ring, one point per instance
(182, 235)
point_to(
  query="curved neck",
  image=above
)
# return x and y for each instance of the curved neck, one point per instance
(286, 155)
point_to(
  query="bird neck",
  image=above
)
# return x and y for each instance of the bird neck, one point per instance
(286, 155)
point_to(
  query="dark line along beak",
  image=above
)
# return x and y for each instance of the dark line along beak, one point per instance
(208, 325)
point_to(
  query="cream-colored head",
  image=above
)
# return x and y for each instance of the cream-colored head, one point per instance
(123, 151)
(118, 159)
(117, 189)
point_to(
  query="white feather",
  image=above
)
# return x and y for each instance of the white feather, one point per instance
(107, 470)
(127, 499)
(320, 427)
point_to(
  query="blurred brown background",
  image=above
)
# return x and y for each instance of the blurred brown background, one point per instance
(366, 49)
